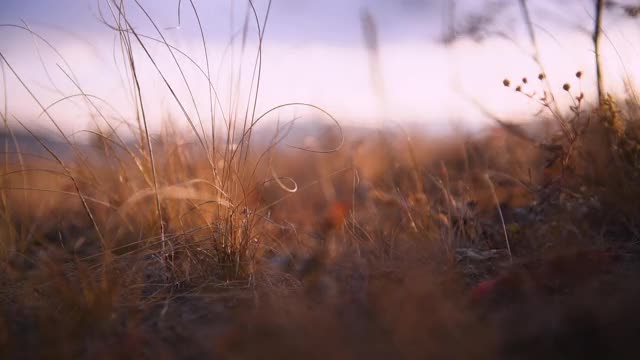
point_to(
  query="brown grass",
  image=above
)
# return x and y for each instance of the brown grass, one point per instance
(519, 242)
(359, 262)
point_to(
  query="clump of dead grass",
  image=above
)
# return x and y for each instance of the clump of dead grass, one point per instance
(367, 249)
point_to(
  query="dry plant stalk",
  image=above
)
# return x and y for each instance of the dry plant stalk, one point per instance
(497, 202)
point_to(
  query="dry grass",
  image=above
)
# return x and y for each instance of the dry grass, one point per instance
(359, 244)
(361, 261)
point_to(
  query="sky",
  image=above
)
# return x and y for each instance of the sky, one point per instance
(313, 51)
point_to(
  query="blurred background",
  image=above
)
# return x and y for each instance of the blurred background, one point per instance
(367, 62)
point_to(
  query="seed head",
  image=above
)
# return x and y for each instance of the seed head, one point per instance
(518, 88)
(541, 76)
(524, 80)
(579, 74)
(506, 82)
(566, 87)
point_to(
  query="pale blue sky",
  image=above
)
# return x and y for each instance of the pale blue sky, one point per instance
(294, 21)
(313, 52)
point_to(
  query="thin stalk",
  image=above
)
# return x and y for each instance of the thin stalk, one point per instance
(596, 43)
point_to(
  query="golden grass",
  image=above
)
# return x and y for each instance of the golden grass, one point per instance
(356, 239)
(358, 244)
